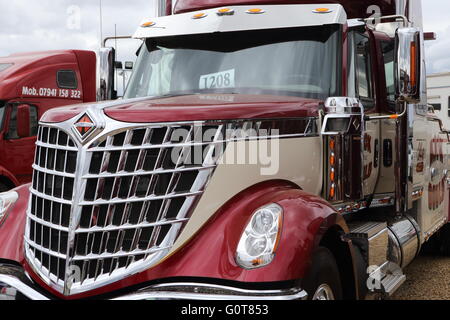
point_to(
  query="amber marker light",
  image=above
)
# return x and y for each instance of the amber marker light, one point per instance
(322, 10)
(148, 24)
(225, 11)
(332, 159)
(199, 15)
(332, 144)
(255, 11)
(332, 175)
(332, 190)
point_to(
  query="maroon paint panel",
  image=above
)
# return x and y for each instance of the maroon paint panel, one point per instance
(211, 252)
(354, 8)
(87, 64)
(12, 229)
(35, 71)
(199, 107)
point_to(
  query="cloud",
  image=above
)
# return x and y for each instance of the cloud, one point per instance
(436, 19)
(27, 25)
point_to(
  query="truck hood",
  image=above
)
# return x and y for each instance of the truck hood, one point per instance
(195, 107)
(34, 70)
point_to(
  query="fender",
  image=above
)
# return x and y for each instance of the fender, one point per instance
(211, 252)
(13, 228)
(8, 175)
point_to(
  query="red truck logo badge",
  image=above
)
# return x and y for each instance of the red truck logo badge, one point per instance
(84, 125)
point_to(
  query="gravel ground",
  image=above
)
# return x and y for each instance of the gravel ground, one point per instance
(427, 278)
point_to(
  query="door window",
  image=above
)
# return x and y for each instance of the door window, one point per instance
(388, 48)
(360, 70)
(12, 127)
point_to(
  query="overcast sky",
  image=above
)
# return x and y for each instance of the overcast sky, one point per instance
(30, 25)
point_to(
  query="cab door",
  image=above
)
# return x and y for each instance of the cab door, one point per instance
(17, 153)
(362, 74)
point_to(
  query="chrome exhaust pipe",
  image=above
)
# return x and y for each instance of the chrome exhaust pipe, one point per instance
(164, 8)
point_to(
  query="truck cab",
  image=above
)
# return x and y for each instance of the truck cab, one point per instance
(30, 84)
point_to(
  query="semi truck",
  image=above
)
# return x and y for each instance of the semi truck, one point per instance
(263, 150)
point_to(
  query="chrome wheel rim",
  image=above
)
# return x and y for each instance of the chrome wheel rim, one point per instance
(323, 292)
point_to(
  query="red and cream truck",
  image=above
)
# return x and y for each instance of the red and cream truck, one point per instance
(263, 150)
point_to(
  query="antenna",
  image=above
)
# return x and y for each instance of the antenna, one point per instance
(101, 25)
(117, 51)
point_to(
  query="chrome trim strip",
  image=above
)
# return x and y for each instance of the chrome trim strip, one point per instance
(47, 224)
(144, 173)
(51, 198)
(199, 144)
(136, 199)
(44, 250)
(24, 289)
(119, 254)
(226, 293)
(55, 146)
(131, 226)
(53, 172)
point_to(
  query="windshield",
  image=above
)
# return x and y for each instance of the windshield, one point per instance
(4, 66)
(295, 62)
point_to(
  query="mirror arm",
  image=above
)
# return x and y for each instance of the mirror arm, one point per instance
(391, 116)
(404, 18)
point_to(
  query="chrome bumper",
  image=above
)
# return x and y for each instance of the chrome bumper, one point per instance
(15, 284)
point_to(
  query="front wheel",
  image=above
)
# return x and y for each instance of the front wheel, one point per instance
(322, 282)
(444, 240)
(3, 187)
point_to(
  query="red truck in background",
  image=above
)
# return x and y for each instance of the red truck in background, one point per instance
(30, 84)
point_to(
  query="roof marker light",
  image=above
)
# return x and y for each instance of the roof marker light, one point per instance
(199, 15)
(148, 24)
(255, 11)
(225, 12)
(322, 10)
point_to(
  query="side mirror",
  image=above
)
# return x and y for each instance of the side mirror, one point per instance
(408, 64)
(105, 89)
(23, 121)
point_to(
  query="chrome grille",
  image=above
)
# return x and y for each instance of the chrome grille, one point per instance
(51, 199)
(121, 208)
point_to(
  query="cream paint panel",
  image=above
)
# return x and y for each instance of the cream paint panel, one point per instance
(427, 217)
(373, 131)
(300, 162)
(386, 181)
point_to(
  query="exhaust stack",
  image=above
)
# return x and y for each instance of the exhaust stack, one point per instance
(164, 8)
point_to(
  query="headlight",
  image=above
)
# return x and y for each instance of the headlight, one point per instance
(7, 199)
(260, 239)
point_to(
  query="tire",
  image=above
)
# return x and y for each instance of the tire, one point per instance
(322, 277)
(3, 187)
(444, 240)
